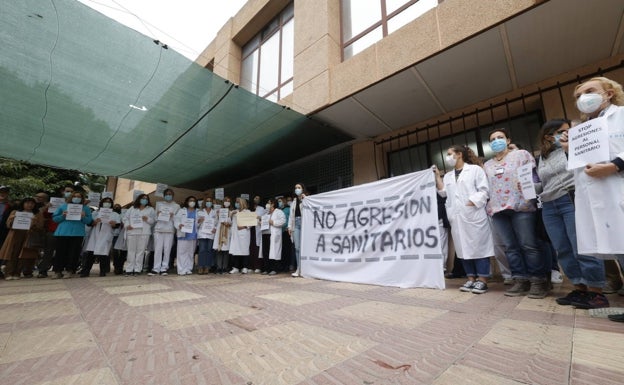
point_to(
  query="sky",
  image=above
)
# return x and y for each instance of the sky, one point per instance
(187, 26)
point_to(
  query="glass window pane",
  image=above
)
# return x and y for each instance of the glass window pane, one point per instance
(411, 13)
(288, 50)
(286, 89)
(272, 97)
(269, 64)
(363, 43)
(393, 5)
(358, 15)
(249, 73)
(288, 12)
(252, 45)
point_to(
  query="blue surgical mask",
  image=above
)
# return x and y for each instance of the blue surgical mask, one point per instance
(208, 205)
(498, 145)
(237, 205)
(76, 200)
(106, 205)
(67, 194)
(298, 191)
(144, 202)
(168, 198)
(557, 143)
(280, 204)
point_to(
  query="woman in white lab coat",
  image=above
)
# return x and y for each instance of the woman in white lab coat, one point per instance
(240, 239)
(277, 219)
(101, 238)
(142, 213)
(221, 242)
(599, 194)
(187, 235)
(466, 189)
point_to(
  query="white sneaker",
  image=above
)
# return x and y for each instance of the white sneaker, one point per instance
(234, 271)
(245, 271)
(296, 273)
(257, 271)
(556, 277)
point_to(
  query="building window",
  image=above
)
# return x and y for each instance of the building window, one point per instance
(365, 22)
(267, 64)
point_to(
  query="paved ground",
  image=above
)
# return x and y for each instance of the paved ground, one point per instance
(278, 330)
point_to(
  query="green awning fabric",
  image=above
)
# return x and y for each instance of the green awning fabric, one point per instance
(81, 91)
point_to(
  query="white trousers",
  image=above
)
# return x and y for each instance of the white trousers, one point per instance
(136, 252)
(186, 255)
(162, 251)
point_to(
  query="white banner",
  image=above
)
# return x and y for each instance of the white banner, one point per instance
(382, 233)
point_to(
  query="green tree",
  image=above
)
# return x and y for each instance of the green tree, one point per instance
(26, 179)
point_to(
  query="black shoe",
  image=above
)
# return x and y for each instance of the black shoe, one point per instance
(573, 296)
(617, 317)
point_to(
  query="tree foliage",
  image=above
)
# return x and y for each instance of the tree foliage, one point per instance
(26, 179)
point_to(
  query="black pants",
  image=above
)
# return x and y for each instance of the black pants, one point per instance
(119, 258)
(266, 247)
(67, 253)
(89, 258)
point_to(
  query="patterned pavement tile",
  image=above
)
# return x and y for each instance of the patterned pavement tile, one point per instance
(31, 289)
(34, 297)
(459, 374)
(450, 294)
(530, 338)
(103, 376)
(548, 305)
(43, 341)
(211, 282)
(197, 314)
(599, 349)
(350, 286)
(135, 288)
(285, 354)
(157, 298)
(250, 287)
(38, 310)
(389, 314)
(298, 297)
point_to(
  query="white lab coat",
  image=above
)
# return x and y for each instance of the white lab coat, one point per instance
(599, 202)
(148, 211)
(101, 236)
(240, 239)
(278, 218)
(470, 226)
(203, 213)
(179, 218)
(166, 226)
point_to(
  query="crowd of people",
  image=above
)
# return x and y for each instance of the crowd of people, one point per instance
(574, 224)
(153, 238)
(581, 210)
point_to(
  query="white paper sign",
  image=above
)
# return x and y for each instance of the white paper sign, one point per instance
(588, 143)
(160, 189)
(264, 223)
(55, 203)
(207, 225)
(219, 193)
(94, 198)
(107, 194)
(105, 214)
(245, 196)
(187, 225)
(164, 213)
(525, 178)
(223, 215)
(136, 221)
(74, 212)
(22, 220)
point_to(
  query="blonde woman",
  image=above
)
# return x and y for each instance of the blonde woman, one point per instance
(222, 236)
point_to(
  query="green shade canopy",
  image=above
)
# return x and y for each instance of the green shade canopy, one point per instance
(81, 91)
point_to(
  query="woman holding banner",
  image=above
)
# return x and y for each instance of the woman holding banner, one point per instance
(466, 189)
(294, 224)
(599, 199)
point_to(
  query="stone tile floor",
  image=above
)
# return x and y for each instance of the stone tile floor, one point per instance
(253, 329)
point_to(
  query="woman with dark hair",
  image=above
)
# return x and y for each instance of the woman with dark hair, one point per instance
(163, 233)
(514, 218)
(69, 236)
(18, 250)
(105, 220)
(294, 223)
(586, 273)
(222, 237)
(240, 239)
(138, 222)
(466, 189)
(187, 237)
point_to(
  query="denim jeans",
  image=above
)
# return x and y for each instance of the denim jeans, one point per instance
(479, 267)
(517, 231)
(297, 241)
(206, 253)
(558, 216)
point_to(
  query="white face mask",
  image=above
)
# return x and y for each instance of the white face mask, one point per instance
(588, 103)
(267, 206)
(191, 204)
(226, 204)
(106, 205)
(450, 160)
